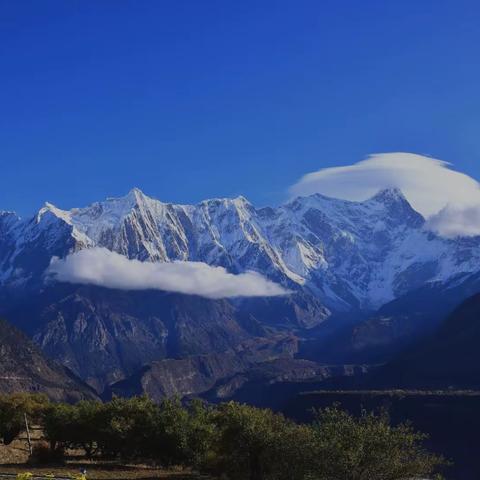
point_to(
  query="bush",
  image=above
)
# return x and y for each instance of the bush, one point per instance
(233, 441)
(369, 447)
(255, 444)
(201, 433)
(128, 429)
(75, 426)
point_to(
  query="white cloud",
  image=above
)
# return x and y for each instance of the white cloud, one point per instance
(454, 221)
(446, 197)
(99, 266)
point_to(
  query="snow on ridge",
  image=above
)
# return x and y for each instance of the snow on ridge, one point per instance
(49, 208)
(341, 251)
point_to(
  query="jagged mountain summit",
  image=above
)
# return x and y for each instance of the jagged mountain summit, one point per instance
(349, 255)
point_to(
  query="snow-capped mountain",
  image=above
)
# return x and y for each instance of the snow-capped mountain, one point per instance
(349, 255)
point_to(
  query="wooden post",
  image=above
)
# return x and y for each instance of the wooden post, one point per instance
(28, 433)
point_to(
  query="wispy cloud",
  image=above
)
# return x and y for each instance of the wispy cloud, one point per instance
(99, 266)
(449, 199)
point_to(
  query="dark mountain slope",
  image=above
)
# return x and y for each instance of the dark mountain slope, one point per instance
(105, 335)
(448, 358)
(395, 326)
(199, 373)
(23, 368)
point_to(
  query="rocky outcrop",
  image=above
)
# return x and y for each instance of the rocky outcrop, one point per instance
(23, 368)
(199, 373)
(106, 335)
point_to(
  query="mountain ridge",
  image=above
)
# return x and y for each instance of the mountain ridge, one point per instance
(448, 358)
(350, 255)
(24, 368)
(341, 260)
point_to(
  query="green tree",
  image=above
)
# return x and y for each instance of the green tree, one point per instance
(369, 448)
(256, 444)
(172, 433)
(74, 426)
(200, 433)
(59, 424)
(233, 441)
(127, 427)
(13, 409)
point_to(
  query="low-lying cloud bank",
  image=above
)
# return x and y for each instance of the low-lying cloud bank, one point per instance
(449, 200)
(99, 266)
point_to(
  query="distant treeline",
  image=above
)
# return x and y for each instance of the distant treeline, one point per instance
(229, 441)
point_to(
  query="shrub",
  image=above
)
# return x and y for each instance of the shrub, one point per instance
(201, 433)
(369, 447)
(125, 428)
(233, 441)
(255, 444)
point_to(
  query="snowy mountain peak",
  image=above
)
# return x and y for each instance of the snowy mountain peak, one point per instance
(134, 198)
(392, 194)
(8, 220)
(7, 215)
(397, 207)
(113, 209)
(135, 195)
(342, 252)
(241, 200)
(51, 210)
(226, 201)
(136, 191)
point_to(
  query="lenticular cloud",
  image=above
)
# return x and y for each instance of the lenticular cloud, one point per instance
(450, 200)
(99, 266)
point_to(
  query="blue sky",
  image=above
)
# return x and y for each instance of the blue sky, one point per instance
(194, 99)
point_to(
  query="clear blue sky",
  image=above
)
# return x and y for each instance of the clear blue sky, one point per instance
(194, 99)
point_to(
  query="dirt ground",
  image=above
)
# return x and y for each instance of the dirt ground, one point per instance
(14, 457)
(17, 451)
(98, 472)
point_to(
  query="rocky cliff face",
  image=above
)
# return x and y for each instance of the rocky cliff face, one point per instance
(24, 368)
(104, 335)
(199, 373)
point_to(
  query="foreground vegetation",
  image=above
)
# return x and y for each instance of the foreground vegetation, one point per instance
(229, 441)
